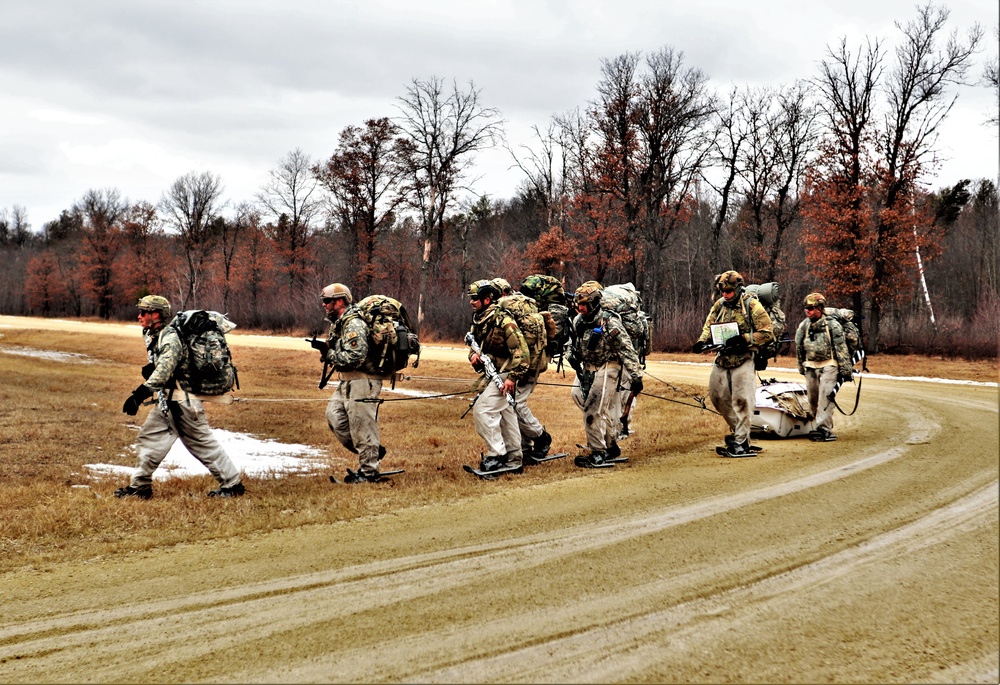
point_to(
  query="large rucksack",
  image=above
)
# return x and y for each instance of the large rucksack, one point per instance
(391, 341)
(208, 363)
(852, 336)
(623, 299)
(533, 325)
(769, 296)
(550, 296)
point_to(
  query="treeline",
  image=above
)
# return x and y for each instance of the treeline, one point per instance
(659, 180)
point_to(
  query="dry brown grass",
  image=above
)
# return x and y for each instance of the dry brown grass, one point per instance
(58, 416)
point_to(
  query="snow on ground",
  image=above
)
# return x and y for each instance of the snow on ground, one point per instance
(254, 456)
(50, 355)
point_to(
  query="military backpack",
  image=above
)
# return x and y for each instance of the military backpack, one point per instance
(769, 296)
(852, 336)
(208, 363)
(623, 299)
(534, 326)
(391, 341)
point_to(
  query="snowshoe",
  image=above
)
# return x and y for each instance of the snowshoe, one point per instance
(597, 459)
(494, 473)
(739, 449)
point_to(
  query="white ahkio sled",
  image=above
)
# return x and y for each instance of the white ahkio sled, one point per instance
(781, 410)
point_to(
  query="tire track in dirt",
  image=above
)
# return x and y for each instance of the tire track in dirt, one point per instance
(628, 646)
(207, 622)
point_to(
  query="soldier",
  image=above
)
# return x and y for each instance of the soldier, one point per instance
(171, 419)
(824, 360)
(535, 440)
(603, 358)
(731, 385)
(351, 412)
(499, 337)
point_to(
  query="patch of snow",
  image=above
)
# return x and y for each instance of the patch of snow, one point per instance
(418, 393)
(252, 455)
(50, 355)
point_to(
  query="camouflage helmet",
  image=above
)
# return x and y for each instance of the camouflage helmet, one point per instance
(155, 303)
(815, 300)
(730, 280)
(589, 293)
(503, 285)
(336, 291)
(483, 289)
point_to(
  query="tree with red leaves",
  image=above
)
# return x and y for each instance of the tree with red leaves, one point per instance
(43, 287)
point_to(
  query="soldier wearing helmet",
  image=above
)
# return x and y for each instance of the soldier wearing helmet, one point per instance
(823, 358)
(604, 359)
(499, 337)
(172, 419)
(740, 320)
(352, 421)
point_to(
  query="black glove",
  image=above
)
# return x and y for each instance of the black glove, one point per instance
(636, 386)
(737, 343)
(845, 378)
(140, 394)
(698, 346)
(147, 370)
(321, 345)
(575, 365)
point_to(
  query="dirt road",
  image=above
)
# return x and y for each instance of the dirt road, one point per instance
(870, 559)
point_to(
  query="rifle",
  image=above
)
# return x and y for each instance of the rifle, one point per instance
(327, 366)
(489, 369)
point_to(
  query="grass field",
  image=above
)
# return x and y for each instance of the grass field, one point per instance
(58, 414)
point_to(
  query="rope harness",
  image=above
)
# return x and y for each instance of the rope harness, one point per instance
(700, 400)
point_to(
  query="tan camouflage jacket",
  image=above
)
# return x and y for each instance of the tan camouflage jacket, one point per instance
(754, 323)
(348, 340)
(820, 340)
(166, 352)
(603, 340)
(500, 338)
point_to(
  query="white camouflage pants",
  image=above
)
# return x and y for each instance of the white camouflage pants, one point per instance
(819, 385)
(354, 422)
(732, 394)
(602, 408)
(185, 421)
(496, 423)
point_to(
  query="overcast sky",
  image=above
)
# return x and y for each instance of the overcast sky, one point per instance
(133, 94)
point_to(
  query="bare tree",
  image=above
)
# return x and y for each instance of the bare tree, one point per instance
(291, 193)
(991, 79)
(443, 130)
(782, 133)
(727, 152)
(544, 172)
(918, 102)
(191, 206)
(15, 229)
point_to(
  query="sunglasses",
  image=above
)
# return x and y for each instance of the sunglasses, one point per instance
(328, 300)
(811, 309)
(728, 290)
